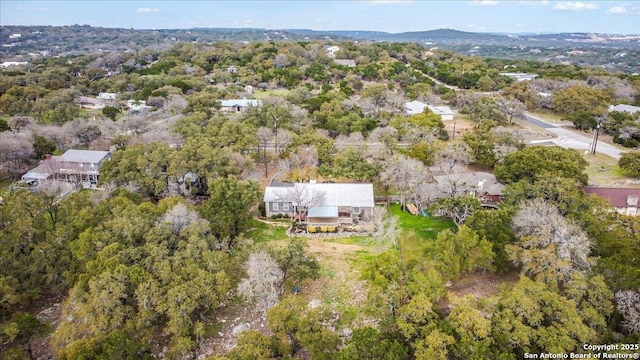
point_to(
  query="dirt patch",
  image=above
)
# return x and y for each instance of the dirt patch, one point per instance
(482, 285)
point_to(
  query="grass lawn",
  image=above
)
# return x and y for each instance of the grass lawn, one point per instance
(603, 170)
(5, 184)
(261, 232)
(417, 232)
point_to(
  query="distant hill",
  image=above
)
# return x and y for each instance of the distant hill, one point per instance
(617, 52)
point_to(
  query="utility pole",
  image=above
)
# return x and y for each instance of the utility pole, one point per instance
(275, 125)
(596, 134)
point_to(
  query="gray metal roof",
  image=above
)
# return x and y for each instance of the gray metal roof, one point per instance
(330, 194)
(624, 108)
(84, 156)
(323, 212)
(240, 102)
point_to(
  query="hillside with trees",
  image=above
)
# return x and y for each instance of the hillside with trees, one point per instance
(173, 256)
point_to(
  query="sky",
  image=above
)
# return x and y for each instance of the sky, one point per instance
(539, 16)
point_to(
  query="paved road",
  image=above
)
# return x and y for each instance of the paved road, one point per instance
(571, 140)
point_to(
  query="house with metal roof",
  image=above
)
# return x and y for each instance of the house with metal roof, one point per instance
(238, 105)
(520, 76)
(81, 167)
(625, 108)
(321, 203)
(624, 200)
(417, 107)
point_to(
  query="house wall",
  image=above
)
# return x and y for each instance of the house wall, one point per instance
(274, 208)
(322, 220)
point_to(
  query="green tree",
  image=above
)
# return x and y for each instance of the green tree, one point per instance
(228, 207)
(581, 98)
(296, 264)
(300, 327)
(4, 125)
(630, 163)
(350, 164)
(494, 225)
(534, 163)
(111, 112)
(460, 252)
(529, 317)
(43, 146)
(369, 344)
(472, 329)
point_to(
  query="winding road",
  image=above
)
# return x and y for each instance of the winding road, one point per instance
(569, 139)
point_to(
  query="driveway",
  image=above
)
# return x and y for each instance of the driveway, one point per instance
(569, 139)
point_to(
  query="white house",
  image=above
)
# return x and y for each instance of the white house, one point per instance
(74, 166)
(8, 64)
(332, 50)
(346, 62)
(138, 106)
(520, 76)
(238, 105)
(107, 96)
(325, 203)
(417, 107)
(625, 108)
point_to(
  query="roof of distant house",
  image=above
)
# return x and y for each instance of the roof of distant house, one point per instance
(625, 108)
(340, 194)
(481, 181)
(417, 107)
(240, 102)
(345, 62)
(84, 156)
(617, 197)
(520, 76)
(45, 169)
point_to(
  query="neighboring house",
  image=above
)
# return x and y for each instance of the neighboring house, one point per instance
(345, 62)
(107, 96)
(326, 203)
(332, 50)
(238, 105)
(74, 166)
(481, 185)
(520, 76)
(625, 108)
(136, 106)
(417, 107)
(624, 200)
(91, 103)
(8, 64)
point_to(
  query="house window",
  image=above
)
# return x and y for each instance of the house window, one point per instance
(285, 207)
(356, 211)
(274, 207)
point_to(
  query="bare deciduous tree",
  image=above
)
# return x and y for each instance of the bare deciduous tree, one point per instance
(15, 150)
(180, 217)
(386, 227)
(262, 283)
(18, 123)
(453, 158)
(628, 304)
(302, 197)
(404, 174)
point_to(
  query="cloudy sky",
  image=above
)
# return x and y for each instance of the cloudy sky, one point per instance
(617, 17)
